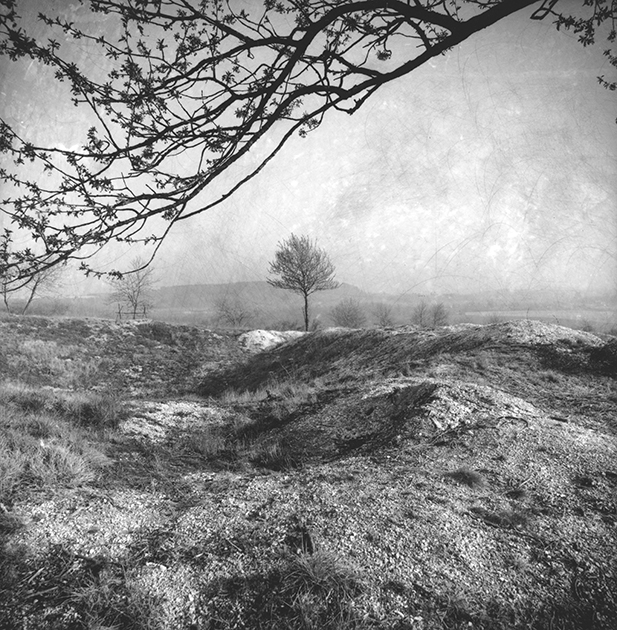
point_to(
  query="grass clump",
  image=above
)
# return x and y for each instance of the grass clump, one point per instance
(291, 393)
(115, 598)
(467, 477)
(92, 410)
(301, 592)
(46, 437)
(318, 591)
(273, 454)
(87, 409)
(30, 462)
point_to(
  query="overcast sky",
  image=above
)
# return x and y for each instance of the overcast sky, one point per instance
(494, 167)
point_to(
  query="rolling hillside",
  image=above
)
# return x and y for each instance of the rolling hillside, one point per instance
(160, 476)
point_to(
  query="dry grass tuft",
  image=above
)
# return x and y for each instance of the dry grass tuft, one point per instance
(467, 477)
(319, 591)
(45, 439)
(87, 409)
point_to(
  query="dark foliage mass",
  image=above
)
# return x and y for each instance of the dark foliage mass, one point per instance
(209, 81)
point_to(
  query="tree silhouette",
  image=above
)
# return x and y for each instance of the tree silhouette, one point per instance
(134, 289)
(209, 81)
(303, 268)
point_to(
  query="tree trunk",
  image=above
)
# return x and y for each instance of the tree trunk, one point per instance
(30, 298)
(306, 312)
(5, 299)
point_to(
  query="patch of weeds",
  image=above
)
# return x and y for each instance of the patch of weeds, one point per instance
(467, 477)
(237, 397)
(29, 463)
(287, 395)
(550, 376)
(208, 443)
(303, 592)
(13, 468)
(90, 409)
(87, 409)
(318, 590)
(23, 396)
(273, 454)
(516, 493)
(43, 450)
(66, 590)
(50, 363)
(505, 519)
(59, 464)
(482, 363)
(157, 331)
(583, 481)
(8, 521)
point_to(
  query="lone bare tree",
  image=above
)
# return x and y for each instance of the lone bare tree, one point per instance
(303, 268)
(134, 289)
(210, 82)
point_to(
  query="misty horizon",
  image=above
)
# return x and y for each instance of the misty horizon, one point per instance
(491, 168)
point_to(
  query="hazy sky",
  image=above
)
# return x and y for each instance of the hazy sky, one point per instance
(494, 167)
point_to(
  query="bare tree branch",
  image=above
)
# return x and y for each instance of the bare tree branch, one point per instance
(209, 81)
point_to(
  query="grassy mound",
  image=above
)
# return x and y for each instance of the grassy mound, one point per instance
(400, 479)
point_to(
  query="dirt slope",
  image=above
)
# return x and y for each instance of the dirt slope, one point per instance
(458, 478)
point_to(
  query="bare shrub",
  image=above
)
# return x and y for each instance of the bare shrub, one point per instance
(132, 291)
(429, 316)
(348, 314)
(232, 311)
(383, 315)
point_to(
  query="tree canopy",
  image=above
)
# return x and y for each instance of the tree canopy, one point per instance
(209, 81)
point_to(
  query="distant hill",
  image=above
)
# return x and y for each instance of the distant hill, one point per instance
(203, 296)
